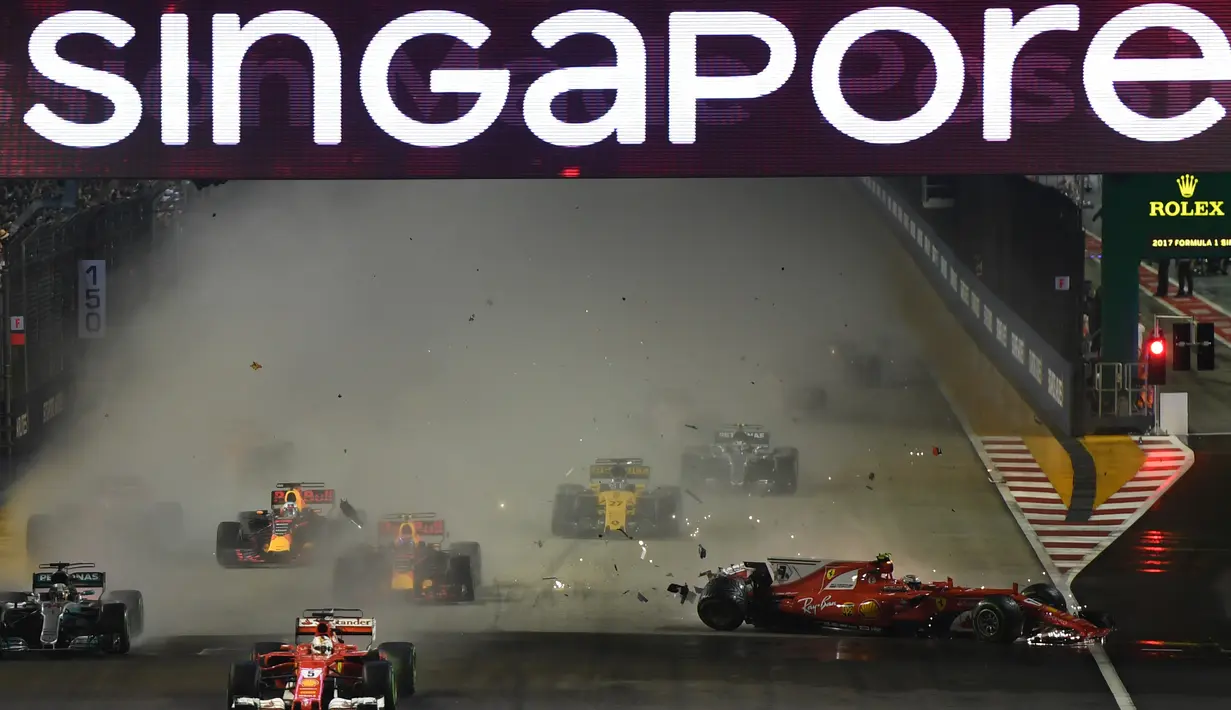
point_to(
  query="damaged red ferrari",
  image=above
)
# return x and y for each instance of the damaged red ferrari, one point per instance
(865, 596)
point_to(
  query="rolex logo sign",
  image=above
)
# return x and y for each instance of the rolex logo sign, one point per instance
(1187, 207)
(1188, 185)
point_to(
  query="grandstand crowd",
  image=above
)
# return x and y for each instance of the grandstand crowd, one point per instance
(17, 196)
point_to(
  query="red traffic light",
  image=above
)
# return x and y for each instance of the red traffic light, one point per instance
(1157, 347)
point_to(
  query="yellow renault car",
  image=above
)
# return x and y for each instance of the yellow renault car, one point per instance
(617, 503)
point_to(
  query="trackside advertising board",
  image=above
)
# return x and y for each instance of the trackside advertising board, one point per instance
(526, 88)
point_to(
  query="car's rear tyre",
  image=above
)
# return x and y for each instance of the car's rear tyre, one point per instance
(379, 681)
(243, 682)
(459, 574)
(998, 619)
(475, 553)
(1047, 594)
(786, 471)
(226, 542)
(723, 604)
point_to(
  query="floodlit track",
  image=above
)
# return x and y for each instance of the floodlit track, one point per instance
(567, 623)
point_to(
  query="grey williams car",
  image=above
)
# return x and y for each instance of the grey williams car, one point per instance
(741, 459)
(69, 609)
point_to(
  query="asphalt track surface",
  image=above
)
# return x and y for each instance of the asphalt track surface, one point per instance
(589, 623)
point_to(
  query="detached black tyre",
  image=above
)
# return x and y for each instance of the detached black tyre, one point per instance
(998, 619)
(723, 604)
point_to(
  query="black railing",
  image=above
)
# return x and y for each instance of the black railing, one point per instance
(41, 297)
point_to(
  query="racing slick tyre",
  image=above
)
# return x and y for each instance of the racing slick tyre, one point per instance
(564, 510)
(40, 531)
(244, 681)
(405, 661)
(998, 619)
(786, 470)
(115, 624)
(723, 604)
(134, 602)
(471, 550)
(379, 681)
(226, 541)
(1047, 594)
(459, 574)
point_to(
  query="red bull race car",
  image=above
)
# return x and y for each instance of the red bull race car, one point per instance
(301, 518)
(865, 596)
(333, 664)
(410, 559)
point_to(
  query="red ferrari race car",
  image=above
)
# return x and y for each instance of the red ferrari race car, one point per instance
(322, 671)
(862, 596)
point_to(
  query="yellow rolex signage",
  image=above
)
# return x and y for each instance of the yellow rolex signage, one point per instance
(1169, 214)
(1187, 207)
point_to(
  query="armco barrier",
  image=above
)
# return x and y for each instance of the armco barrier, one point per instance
(1045, 379)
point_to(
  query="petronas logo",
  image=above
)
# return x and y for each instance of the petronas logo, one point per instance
(1188, 185)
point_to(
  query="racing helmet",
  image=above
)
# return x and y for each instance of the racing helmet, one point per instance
(290, 510)
(406, 535)
(59, 592)
(619, 473)
(322, 646)
(884, 565)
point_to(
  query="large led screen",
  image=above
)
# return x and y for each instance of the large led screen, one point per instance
(526, 88)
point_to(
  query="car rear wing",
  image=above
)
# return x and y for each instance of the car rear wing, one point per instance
(346, 622)
(602, 469)
(756, 432)
(307, 494)
(421, 525)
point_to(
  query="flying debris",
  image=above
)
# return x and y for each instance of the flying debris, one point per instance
(641, 598)
(702, 551)
(693, 496)
(682, 590)
(255, 366)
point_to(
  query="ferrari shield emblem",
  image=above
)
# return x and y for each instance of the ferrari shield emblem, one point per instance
(940, 603)
(829, 573)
